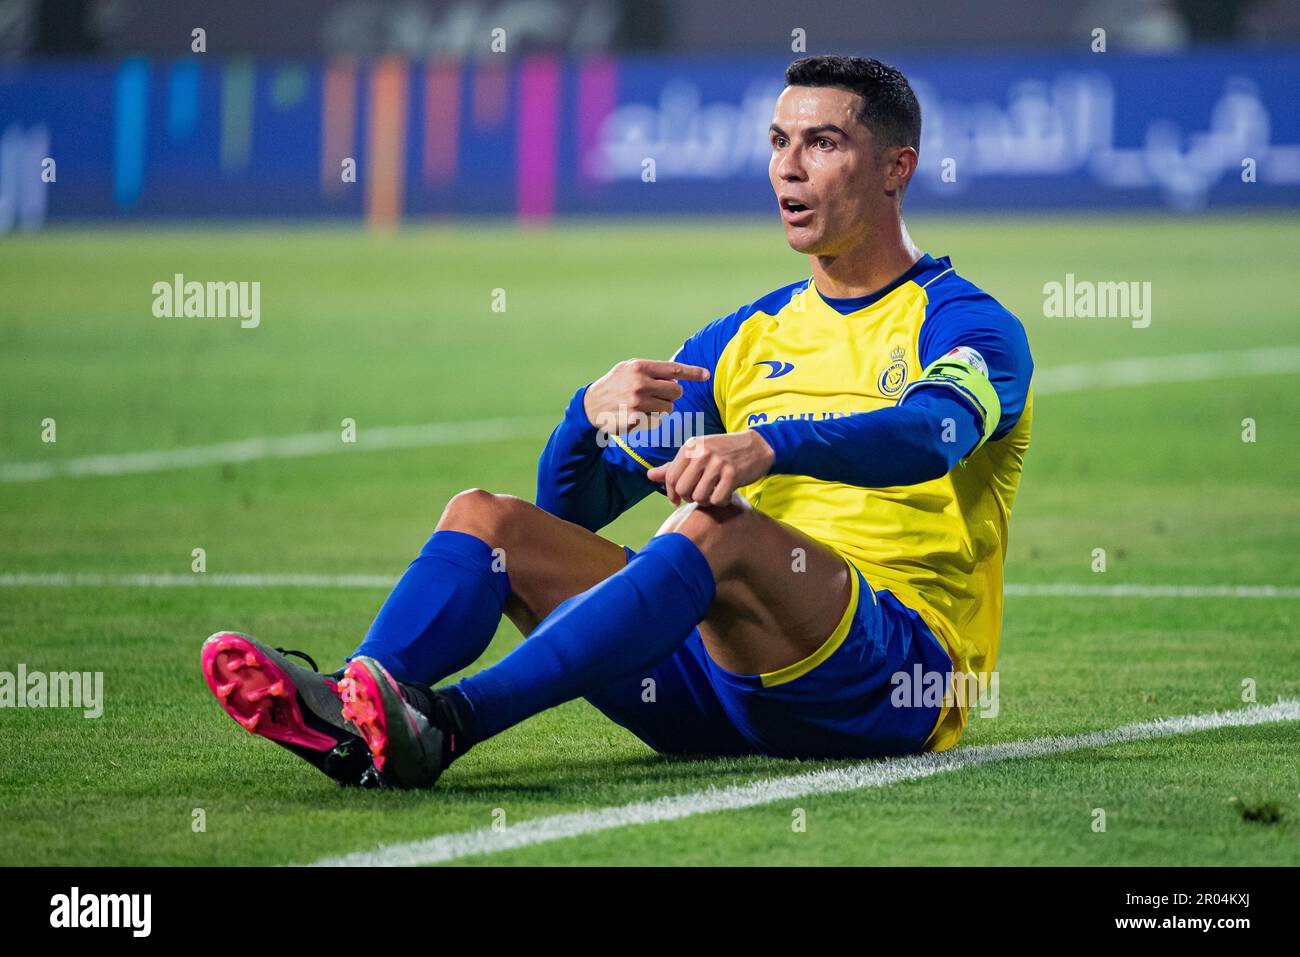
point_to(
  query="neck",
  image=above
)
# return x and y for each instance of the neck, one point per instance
(881, 256)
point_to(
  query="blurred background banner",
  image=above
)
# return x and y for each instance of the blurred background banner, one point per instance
(388, 111)
(422, 29)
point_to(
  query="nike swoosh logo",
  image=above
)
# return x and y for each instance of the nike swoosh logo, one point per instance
(778, 368)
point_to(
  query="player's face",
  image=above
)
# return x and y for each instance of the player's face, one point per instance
(823, 170)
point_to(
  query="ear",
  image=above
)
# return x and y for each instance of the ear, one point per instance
(900, 164)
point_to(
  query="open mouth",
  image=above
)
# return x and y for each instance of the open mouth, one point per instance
(795, 212)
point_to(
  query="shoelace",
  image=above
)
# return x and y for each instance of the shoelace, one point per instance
(300, 654)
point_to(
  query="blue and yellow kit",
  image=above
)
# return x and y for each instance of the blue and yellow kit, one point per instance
(899, 423)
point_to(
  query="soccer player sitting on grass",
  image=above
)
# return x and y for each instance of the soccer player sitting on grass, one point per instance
(844, 453)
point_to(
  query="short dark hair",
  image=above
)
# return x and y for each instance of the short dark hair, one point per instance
(889, 107)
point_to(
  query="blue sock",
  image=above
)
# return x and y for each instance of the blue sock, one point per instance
(625, 625)
(442, 613)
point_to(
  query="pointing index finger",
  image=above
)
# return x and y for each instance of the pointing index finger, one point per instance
(678, 370)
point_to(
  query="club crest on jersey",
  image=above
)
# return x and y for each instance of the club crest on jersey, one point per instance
(894, 377)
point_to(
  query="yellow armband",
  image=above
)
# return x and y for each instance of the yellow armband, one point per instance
(971, 383)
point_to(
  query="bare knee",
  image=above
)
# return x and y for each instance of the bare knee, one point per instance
(718, 531)
(482, 514)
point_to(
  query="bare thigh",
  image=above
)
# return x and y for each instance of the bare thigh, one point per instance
(780, 593)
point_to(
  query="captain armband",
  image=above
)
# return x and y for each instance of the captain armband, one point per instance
(964, 371)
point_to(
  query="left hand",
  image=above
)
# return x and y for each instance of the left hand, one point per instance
(709, 468)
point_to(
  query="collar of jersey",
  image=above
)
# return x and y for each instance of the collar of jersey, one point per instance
(844, 307)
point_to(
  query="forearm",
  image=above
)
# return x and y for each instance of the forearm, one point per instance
(574, 481)
(917, 441)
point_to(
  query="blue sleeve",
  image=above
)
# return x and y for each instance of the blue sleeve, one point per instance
(591, 478)
(573, 479)
(904, 444)
(964, 317)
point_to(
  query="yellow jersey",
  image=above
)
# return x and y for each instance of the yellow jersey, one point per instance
(938, 545)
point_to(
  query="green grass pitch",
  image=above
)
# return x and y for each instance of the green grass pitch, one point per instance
(392, 330)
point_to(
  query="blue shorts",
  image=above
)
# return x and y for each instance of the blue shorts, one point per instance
(834, 704)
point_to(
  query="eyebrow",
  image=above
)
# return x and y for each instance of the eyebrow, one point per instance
(812, 130)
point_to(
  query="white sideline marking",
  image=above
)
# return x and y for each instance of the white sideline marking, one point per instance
(278, 447)
(1152, 591)
(94, 580)
(1193, 367)
(307, 580)
(542, 830)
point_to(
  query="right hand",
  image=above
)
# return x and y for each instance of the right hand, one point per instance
(635, 390)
